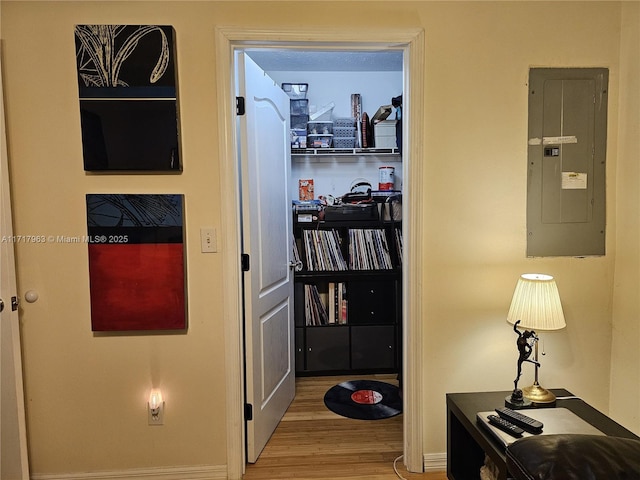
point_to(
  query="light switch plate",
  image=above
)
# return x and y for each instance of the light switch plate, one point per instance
(208, 240)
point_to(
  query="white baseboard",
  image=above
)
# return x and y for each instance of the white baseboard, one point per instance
(204, 472)
(435, 462)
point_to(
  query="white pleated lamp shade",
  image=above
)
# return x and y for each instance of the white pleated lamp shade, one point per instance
(536, 303)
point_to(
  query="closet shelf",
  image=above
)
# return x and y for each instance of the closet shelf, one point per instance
(323, 152)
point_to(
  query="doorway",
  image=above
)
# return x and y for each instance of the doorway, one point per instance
(412, 42)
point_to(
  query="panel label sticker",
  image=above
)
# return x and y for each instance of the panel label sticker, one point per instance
(559, 140)
(574, 181)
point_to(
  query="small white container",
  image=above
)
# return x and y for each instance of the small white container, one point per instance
(387, 178)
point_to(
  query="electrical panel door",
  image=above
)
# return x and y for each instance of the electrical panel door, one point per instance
(566, 157)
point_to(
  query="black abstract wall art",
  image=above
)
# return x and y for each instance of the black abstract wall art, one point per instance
(127, 81)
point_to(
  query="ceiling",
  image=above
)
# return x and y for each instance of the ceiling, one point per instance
(330, 61)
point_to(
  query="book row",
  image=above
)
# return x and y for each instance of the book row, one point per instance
(325, 308)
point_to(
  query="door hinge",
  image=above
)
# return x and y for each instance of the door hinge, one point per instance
(248, 411)
(244, 260)
(240, 106)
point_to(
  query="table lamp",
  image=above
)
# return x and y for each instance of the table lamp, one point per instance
(535, 306)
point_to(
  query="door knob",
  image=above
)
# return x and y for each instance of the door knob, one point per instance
(31, 296)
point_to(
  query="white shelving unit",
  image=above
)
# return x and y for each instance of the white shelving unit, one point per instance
(334, 152)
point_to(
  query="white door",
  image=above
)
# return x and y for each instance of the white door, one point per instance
(13, 441)
(266, 236)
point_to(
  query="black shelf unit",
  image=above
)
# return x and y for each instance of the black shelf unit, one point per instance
(368, 339)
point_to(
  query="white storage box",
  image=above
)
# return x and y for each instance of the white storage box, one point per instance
(385, 134)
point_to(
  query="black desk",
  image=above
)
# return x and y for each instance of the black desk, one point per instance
(468, 442)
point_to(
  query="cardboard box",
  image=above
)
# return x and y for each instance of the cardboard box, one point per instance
(305, 189)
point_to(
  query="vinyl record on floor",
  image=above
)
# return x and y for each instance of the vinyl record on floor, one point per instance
(364, 399)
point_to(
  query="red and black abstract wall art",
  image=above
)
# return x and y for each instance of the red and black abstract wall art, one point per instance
(136, 262)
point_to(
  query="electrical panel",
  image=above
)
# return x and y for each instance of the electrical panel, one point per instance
(566, 161)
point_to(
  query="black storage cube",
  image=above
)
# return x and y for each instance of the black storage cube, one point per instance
(327, 348)
(373, 347)
(372, 302)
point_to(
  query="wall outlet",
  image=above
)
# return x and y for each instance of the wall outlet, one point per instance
(155, 416)
(208, 240)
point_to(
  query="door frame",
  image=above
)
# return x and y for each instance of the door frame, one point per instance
(229, 38)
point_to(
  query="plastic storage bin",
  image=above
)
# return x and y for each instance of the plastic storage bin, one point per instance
(323, 113)
(298, 138)
(320, 128)
(319, 141)
(299, 107)
(344, 142)
(296, 90)
(344, 131)
(299, 121)
(344, 122)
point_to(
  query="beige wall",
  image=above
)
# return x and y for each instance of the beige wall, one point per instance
(625, 359)
(86, 394)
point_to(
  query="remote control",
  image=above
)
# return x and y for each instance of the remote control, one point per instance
(505, 425)
(529, 424)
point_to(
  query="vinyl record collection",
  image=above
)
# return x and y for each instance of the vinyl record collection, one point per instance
(322, 249)
(368, 250)
(399, 244)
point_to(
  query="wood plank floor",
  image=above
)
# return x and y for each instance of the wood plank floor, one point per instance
(313, 443)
